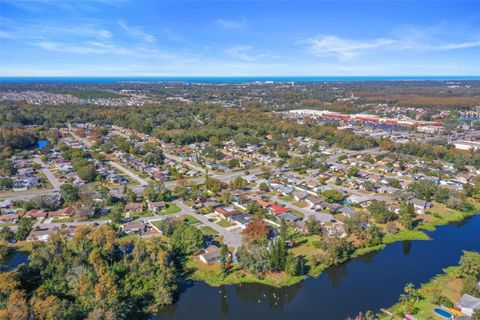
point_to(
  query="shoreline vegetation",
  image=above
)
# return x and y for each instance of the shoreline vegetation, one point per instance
(213, 276)
(441, 291)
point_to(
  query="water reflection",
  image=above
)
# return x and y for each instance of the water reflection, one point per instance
(407, 247)
(224, 307)
(15, 260)
(275, 298)
(372, 281)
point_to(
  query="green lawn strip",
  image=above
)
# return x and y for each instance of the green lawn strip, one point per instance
(206, 230)
(297, 213)
(362, 251)
(172, 208)
(191, 219)
(211, 274)
(65, 220)
(405, 235)
(225, 223)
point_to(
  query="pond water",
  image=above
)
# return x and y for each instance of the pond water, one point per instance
(15, 260)
(370, 282)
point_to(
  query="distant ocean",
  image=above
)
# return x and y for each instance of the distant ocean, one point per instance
(229, 79)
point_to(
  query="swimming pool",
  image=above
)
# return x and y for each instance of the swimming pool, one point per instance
(42, 144)
(443, 313)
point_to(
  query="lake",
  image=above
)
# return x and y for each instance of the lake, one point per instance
(370, 282)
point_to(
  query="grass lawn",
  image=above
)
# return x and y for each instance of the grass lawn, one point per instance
(301, 204)
(439, 214)
(225, 223)
(172, 208)
(212, 275)
(157, 223)
(65, 220)
(206, 230)
(191, 219)
(288, 198)
(297, 213)
(405, 235)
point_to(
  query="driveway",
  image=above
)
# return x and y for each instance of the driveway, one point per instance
(231, 238)
(51, 178)
(128, 172)
(319, 216)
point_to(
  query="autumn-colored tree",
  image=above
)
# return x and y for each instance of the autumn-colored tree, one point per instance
(17, 307)
(255, 232)
(49, 308)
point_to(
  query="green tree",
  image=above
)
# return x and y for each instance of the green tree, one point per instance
(407, 214)
(69, 192)
(380, 212)
(24, 228)
(476, 315)
(353, 171)
(332, 195)
(470, 263)
(264, 187)
(6, 233)
(224, 259)
(186, 239)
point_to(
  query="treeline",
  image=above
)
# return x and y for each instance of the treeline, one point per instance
(439, 152)
(184, 124)
(16, 138)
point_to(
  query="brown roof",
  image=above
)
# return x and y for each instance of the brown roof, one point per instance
(34, 213)
(68, 211)
(8, 217)
(226, 212)
(264, 203)
(134, 206)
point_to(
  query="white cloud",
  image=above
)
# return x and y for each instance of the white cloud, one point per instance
(6, 35)
(242, 52)
(232, 23)
(136, 32)
(344, 49)
(99, 48)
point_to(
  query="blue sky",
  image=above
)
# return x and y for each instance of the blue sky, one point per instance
(247, 38)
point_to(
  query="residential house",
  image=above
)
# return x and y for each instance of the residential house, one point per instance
(156, 206)
(361, 200)
(42, 234)
(276, 209)
(62, 213)
(132, 207)
(135, 227)
(4, 204)
(301, 227)
(289, 217)
(335, 229)
(284, 190)
(348, 212)
(299, 195)
(36, 214)
(211, 254)
(468, 304)
(387, 189)
(420, 205)
(226, 212)
(265, 203)
(9, 218)
(313, 201)
(241, 219)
